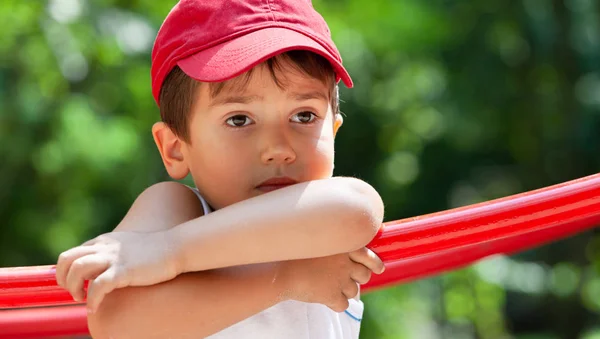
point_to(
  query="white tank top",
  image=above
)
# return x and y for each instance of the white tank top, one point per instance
(295, 319)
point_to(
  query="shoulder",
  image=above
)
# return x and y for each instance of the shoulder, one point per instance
(170, 189)
(162, 206)
(175, 196)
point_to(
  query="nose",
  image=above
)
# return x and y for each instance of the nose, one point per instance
(277, 149)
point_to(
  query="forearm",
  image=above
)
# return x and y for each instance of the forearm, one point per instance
(312, 219)
(193, 305)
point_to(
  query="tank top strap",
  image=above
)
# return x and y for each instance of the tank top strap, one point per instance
(205, 205)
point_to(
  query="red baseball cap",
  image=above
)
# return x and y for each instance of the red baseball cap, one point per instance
(216, 40)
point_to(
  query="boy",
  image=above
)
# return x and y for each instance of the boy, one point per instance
(269, 245)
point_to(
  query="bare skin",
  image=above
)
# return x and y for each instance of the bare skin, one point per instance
(304, 241)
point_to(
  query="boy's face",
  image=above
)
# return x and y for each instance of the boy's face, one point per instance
(241, 138)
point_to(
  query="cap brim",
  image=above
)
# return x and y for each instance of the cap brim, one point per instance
(234, 57)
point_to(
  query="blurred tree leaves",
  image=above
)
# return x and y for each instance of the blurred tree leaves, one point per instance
(455, 103)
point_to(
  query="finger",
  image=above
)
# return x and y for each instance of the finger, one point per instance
(341, 304)
(100, 287)
(368, 258)
(350, 289)
(66, 258)
(90, 242)
(360, 273)
(82, 269)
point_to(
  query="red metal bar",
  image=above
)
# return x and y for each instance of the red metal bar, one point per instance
(43, 322)
(31, 286)
(412, 248)
(571, 205)
(34, 297)
(567, 208)
(407, 270)
(419, 247)
(401, 271)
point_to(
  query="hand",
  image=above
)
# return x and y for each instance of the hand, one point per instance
(115, 260)
(329, 280)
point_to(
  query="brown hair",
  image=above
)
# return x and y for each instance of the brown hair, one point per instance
(178, 92)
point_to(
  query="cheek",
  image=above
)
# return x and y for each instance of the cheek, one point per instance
(220, 169)
(325, 149)
(321, 156)
(221, 159)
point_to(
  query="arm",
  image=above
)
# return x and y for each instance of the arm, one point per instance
(306, 220)
(201, 303)
(309, 220)
(193, 305)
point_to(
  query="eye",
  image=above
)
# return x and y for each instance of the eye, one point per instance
(305, 117)
(238, 121)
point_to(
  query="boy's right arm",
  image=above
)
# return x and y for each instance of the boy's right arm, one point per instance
(193, 305)
(201, 303)
(196, 305)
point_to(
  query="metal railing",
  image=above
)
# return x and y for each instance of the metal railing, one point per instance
(411, 248)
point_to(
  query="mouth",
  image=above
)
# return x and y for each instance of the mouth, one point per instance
(275, 184)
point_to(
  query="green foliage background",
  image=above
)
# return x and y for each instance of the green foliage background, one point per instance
(456, 102)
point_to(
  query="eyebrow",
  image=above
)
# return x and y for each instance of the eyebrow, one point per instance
(302, 96)
(247, 99)
(235, 99)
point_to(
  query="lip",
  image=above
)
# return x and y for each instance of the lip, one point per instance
(276, 183)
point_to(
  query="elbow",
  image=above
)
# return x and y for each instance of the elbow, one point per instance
(98, 323)
(108, 322)
(363, 211)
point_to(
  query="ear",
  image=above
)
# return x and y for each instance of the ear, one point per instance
(337, 123)
(170, 148)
